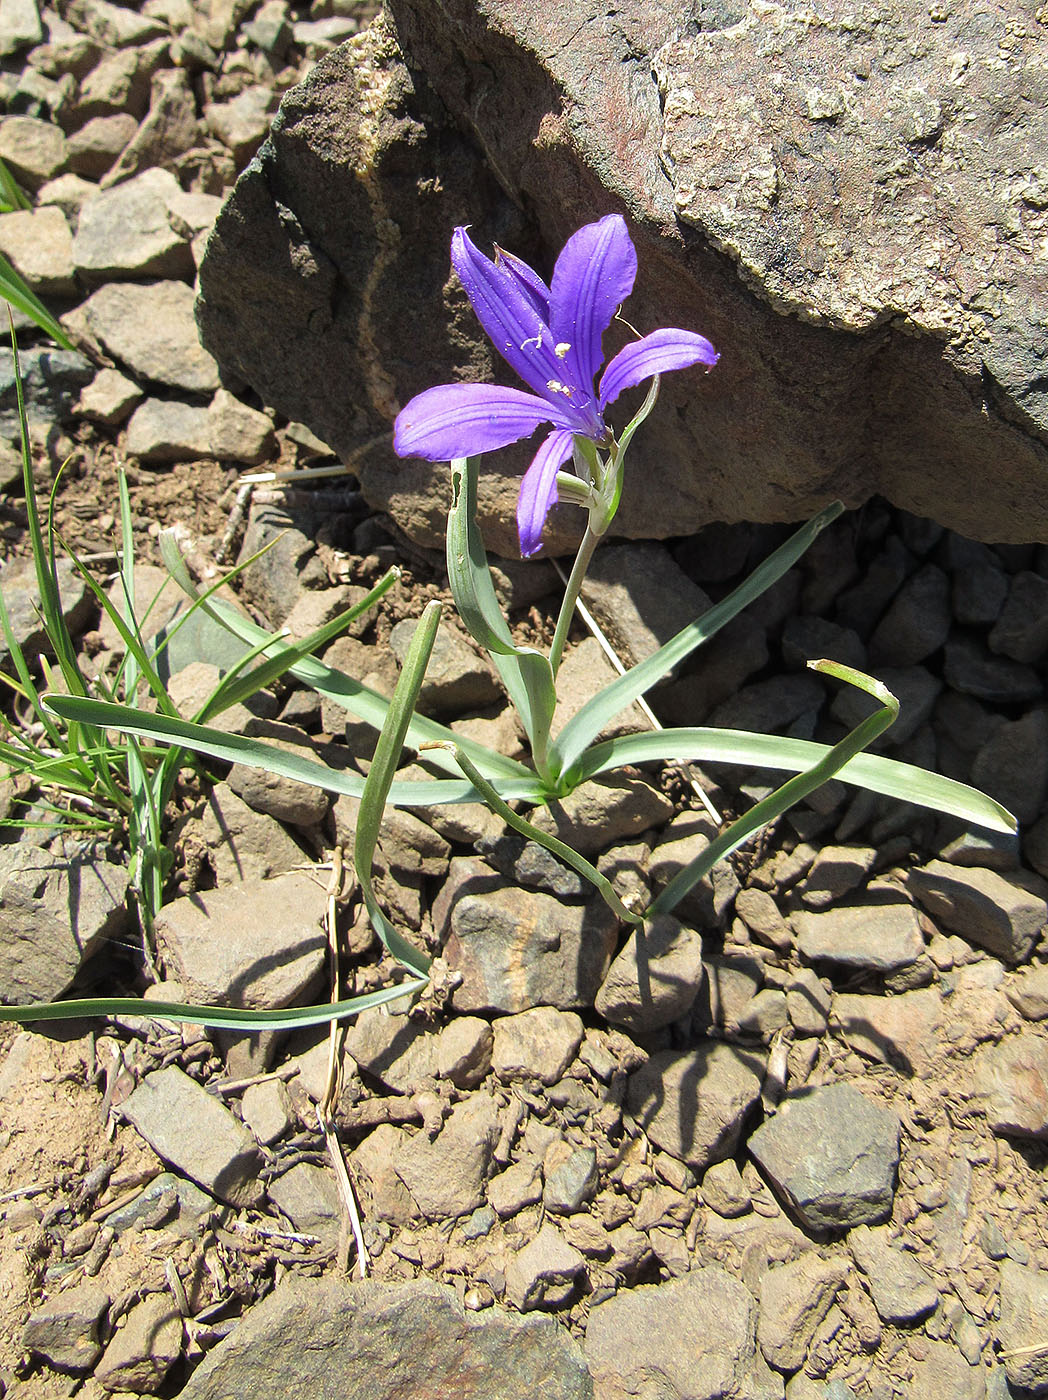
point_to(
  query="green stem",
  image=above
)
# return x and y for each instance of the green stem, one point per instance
(572, 589)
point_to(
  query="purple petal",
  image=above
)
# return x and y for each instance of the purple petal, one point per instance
(507, 313)
(655, 354)
(463, 420)
(593, 277)
(538, 490)
(530, 282)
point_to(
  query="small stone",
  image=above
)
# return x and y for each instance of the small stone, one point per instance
(144, 1349)
(128, 231)
(518, 1186)
(243, 844)
(544, 1273)
(96, 145)
(832, 1154)
(1028, 993)
(692, 1336)
(693, 1104)
(34, 151)
(113, 25)
(267, 1111)
(655, 978)
(917, 623)
(63, 1331)
(942, 1373)
(760, 913)
(20, 26)
(971, 669)
(1012, 766)
(151, 329)
(1010, 1080)
(109, 398)
(238, 433)
(463, 1051)
(794, 1299)
(807, 1003)
(836, 871)
(982, 906)
(169, 131)
(1020, 1331)
(1021, 631)
(903, 1292)
(869, 937)
(242, 122)
(764, 1015)
(39, 245)
(900, 1030)
(308, 1196)
(163, 430)
(539, 1043)
(190, 1129)
(393, 1049)
(446, 1175)
(725, 1191)
(172, 1200)
(572, 1184)
(457, 679)
(640, 597)
(600, 813)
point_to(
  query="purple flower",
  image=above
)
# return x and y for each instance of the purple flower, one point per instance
(552, 337)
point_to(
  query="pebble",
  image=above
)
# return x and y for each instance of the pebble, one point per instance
(1021, 630)
(903, 1291)
(169, 1200)
(457, 678)
(655, 978)
(572, 1183)
(150, 329)
(446, 1174)
(969, 668)
(640, 597)
(807, 1003)
(836, 871)
(1028, 993)
(917, 623)
(902, 1031)
(760, 913)
(308, 1196)
(520, 1185)
(266, 1109)
(832, 1154)
(242, 844)
(39, 244)
(982, 906)
(33, 150)
(725, 1191)
(1010, 1081)
(604, 812)
(109, 398)
(127, 232)
(190, 1129)
(1012, 765)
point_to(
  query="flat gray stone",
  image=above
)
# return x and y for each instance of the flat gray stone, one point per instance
(867, 937)
(95, 146)
(691, 1337)
(794, 1300)
(164, 430)
(63, 1330)
(1021, 630)
(259, 943)
(446, 1174)
(51, 383)
(56, 912)
(151, 330)
(308, 1196)
(693, 1104)
(20, 26)
(188, 1127)
(39, 245)
(329, 1339)
(917, 623)
(832, 1155)
(982, 906)
(835, 872)
(33, 150)
(128, 231)
(641, 598)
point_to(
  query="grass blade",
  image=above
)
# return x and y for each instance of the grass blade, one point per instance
(14, 290)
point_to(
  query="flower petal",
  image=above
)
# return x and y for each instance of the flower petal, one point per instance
(508, 314)
(538, 490)
(654, 354)
(530, 282)
(593, 277)
(463, 420)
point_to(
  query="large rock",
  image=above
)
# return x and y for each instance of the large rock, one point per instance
(860, 213)
(328, 1339)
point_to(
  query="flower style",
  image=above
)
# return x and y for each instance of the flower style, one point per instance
(551, 336)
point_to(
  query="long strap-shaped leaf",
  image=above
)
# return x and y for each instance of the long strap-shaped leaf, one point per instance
(886, 776)
(223, 1018)
(380, 779)
(525, 672)
(792, 791)
(552, 844)
(583, 728)
(255, 753)
(352, 695)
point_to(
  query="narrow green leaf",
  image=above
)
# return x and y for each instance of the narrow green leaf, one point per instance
(218, 1017)
(886, 776)
(254, 753)
(525, 672)
(11, 192)
(552, 844)
(14, 290)
(384, 764)
(583, 728)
